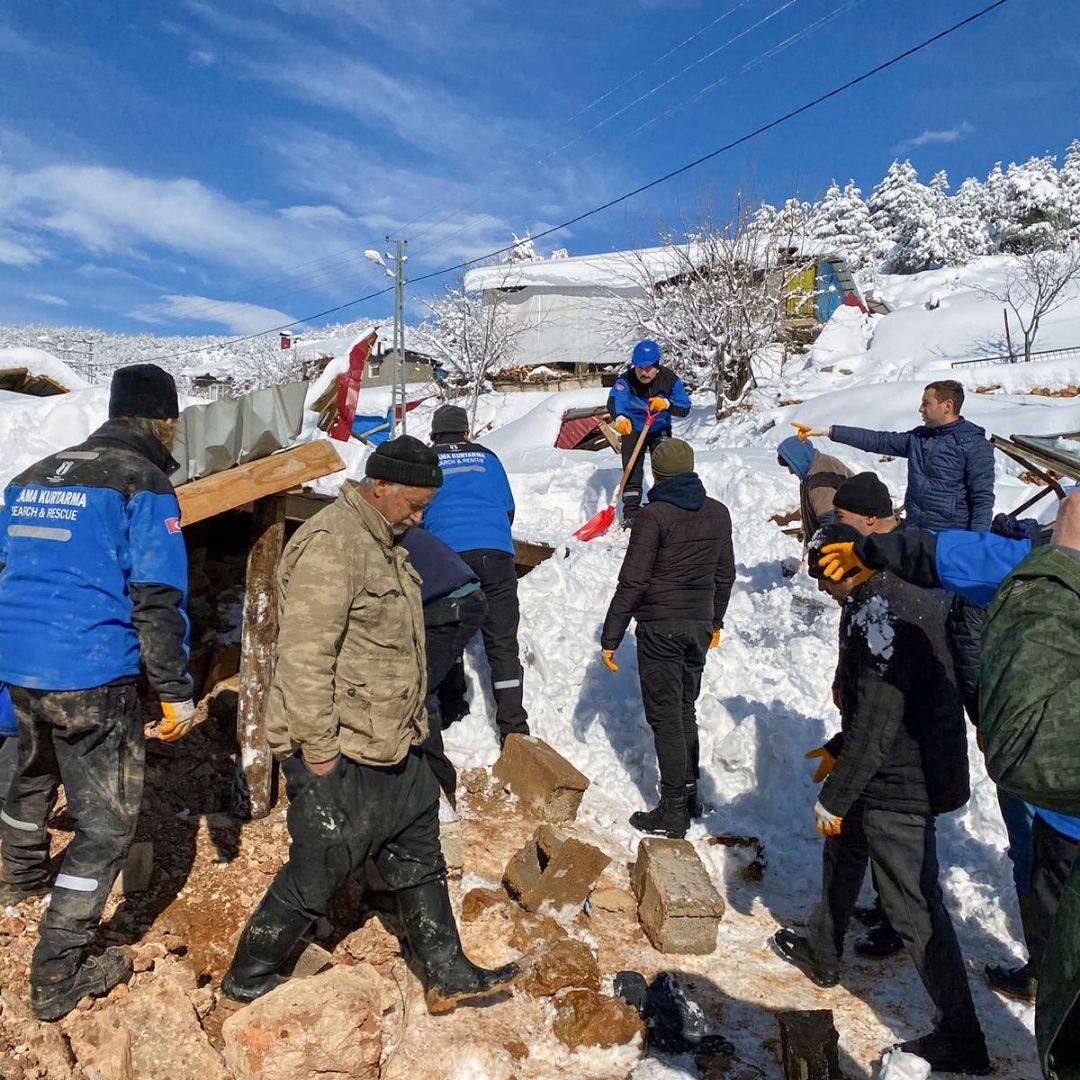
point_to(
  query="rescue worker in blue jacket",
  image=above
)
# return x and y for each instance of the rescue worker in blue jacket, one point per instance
(9, 729)
(93, 586)
(1041, 842)
(645, 386)
(472, 513)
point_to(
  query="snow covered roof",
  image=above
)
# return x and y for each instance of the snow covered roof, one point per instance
(41, 363)
(610, 270)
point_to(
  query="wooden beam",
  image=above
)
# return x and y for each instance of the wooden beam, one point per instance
(613, 437)
(228, 490)
(255, 766)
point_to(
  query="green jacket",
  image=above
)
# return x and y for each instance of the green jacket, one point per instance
(1029, 694)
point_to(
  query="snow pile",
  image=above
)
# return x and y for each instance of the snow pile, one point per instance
(896, 1065)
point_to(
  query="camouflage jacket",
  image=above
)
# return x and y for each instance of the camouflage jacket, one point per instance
(350, 668)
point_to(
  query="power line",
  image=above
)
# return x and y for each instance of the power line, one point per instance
(682, 169)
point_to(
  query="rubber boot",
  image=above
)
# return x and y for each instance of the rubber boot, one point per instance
(10, 895)
(266, 943)
(670, 818)
(450, 977)
(964, 1054)
(694, 806)
(96, 977)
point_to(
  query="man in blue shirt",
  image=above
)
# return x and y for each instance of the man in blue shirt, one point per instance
(93, 587)
(646, 386)
(472, 513)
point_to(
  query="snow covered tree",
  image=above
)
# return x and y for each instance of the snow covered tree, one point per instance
(841, 222)
(1038, 209)
(524, 249)
(903, 213)
(972, 214)
(724, 300)
(472, 335)
(1070, 186)
(1040, 282)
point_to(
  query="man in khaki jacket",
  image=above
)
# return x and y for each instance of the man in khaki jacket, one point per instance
(819, 477)
(346, 718)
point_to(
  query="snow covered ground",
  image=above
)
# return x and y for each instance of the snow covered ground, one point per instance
(766, 697)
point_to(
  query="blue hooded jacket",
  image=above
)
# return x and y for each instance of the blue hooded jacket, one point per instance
(798, 454)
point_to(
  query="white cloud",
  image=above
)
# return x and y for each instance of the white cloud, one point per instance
(48, 298)
(934, 138)
(202, 57)
(14, 252)
(238, 318)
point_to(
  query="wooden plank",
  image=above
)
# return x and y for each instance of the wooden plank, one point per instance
(255, 766)
(613, 437)
(228, 490)
(809, 1045)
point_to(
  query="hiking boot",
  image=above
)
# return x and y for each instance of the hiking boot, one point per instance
(1013, 982)
(266, 943)
(670, 818)
(882, 941)
(694, 806)
(795, 949)
(964, 1054)
(10, 894)
(97, 976)
(450, 977)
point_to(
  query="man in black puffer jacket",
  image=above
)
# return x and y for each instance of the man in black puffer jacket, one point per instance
(902, 762)
(675, 581)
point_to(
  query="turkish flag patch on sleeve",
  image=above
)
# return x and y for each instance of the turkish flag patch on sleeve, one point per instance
(172, 525)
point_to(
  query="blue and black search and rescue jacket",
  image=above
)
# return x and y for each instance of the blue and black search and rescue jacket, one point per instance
(474, 508)
(93, 569)
(630, 398)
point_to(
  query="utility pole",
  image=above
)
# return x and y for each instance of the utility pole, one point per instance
(398, 393)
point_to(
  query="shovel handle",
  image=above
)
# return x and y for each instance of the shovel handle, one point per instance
(650, 416)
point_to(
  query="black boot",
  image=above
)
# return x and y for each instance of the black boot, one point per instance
(10, 895)
(96, 977)
(266, 943)
(795, 949)
(450, 977)
(1015, 982)
(881, 942)
(670, 818)
(964, 1054)
(694, 806)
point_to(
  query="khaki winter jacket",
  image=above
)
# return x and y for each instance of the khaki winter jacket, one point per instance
(817, 490)
(350, 671)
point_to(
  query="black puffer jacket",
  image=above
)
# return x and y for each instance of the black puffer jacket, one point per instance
(905, 743)
(679, 564)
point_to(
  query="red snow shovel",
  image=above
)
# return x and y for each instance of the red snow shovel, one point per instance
(600, 524)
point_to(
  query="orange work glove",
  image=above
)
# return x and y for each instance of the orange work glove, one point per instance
(839, 559)
(826, 766)
(805, 431)
(828, 824)
(622, 425)
(608, 656)
(659, 404)
(179, 719)
(714, 643)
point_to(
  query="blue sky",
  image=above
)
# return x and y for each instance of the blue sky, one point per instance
(200, 166)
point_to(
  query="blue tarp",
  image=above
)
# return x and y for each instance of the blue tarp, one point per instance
(362, 424)
(830, 291)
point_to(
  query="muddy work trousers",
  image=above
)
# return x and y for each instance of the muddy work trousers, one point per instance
(902, 849)
(631, 496)
(91, 741)
(671, 657)
(355, 813)
(498, 579)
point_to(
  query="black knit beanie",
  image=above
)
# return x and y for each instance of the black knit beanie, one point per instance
(833, 533)
(864, 494)
(143, 390)
(449, 420)
(407, 461)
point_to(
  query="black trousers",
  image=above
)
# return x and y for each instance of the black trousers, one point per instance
(92, 742)
(1053, 859)
(631, 496)
(671, 657)
(449, 626)
(902, 848)
(358, 812)
(498, 579)
(9, 758)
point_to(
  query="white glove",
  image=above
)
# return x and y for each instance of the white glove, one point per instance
(179, 719)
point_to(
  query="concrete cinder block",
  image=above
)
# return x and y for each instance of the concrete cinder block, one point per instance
(678, 906)
(545, 783)
(553, 868)
(809, 1045)
(137, 871)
